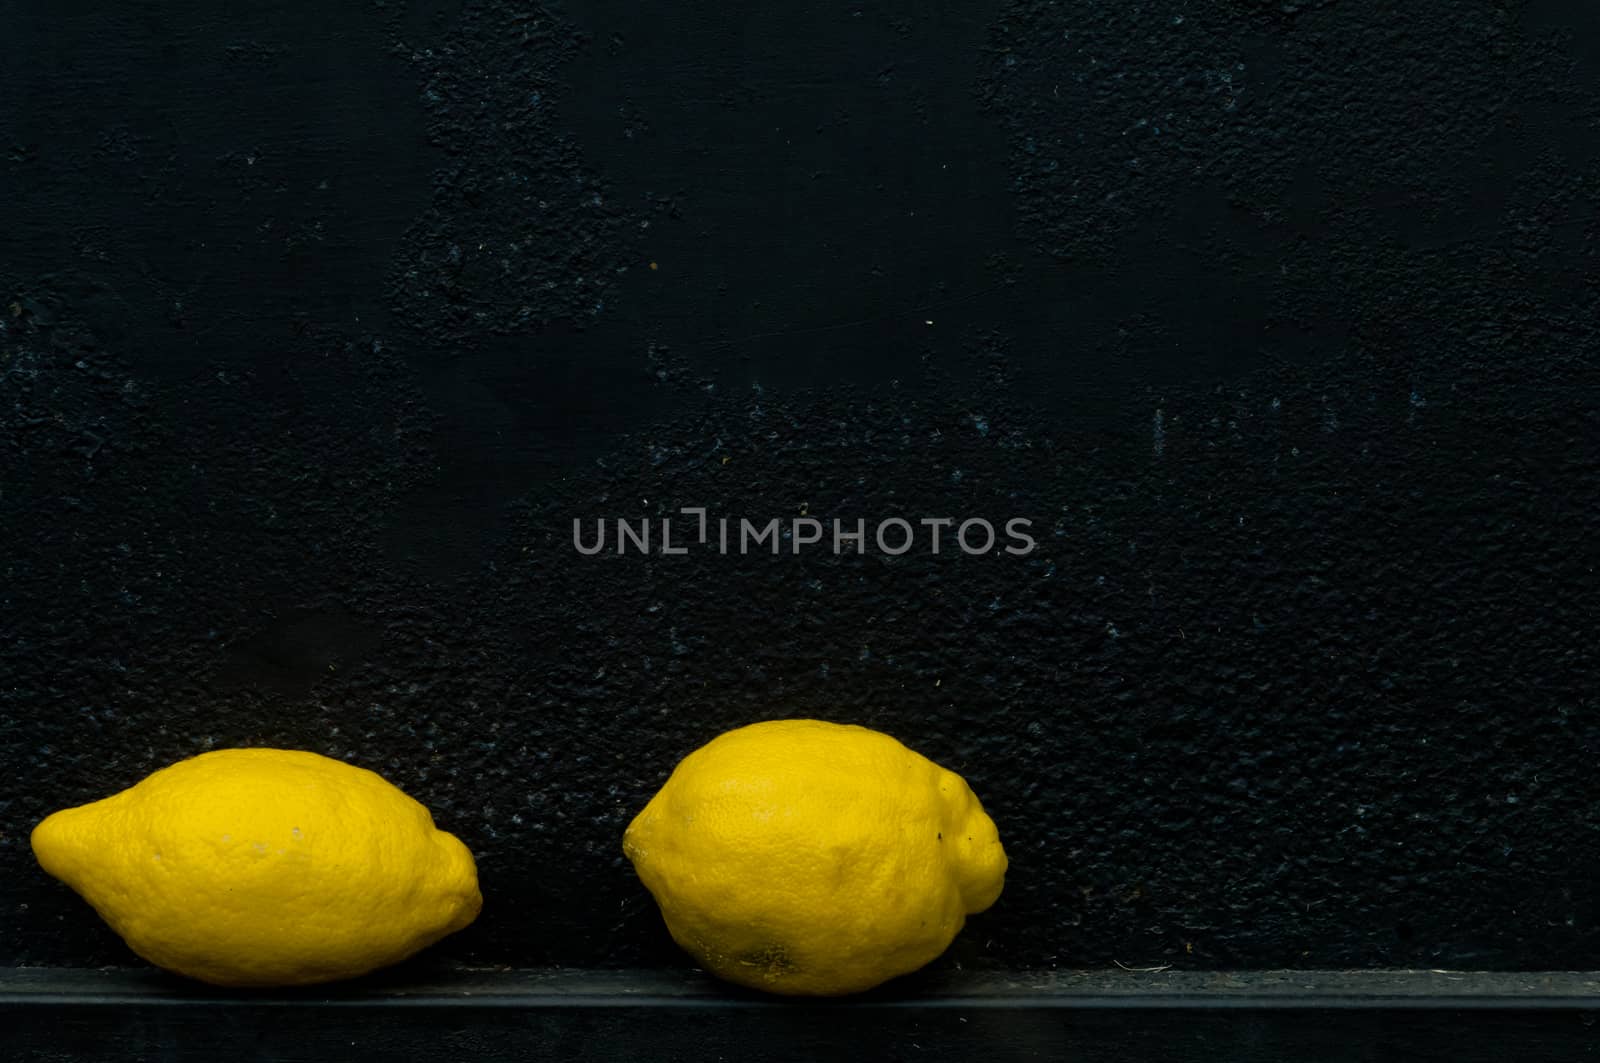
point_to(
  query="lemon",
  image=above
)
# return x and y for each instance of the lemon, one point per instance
(804, 857)
(262, 867)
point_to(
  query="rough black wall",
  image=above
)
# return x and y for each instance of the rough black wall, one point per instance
(322, 322)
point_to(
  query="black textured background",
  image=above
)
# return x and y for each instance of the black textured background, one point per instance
(322, 321)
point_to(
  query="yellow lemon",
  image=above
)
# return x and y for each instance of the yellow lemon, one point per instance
(805, 857)
(261, 867)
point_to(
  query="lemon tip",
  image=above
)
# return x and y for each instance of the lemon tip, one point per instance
(50, 841)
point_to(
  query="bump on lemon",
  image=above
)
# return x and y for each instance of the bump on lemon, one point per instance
(264, 867)
(811, 858)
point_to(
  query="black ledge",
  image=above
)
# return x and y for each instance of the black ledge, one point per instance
(1129, 1016)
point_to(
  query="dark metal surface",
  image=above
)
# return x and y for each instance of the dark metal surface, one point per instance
(1307, 1016)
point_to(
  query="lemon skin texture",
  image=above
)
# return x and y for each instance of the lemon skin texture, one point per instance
(810, 858)
(264, 867)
